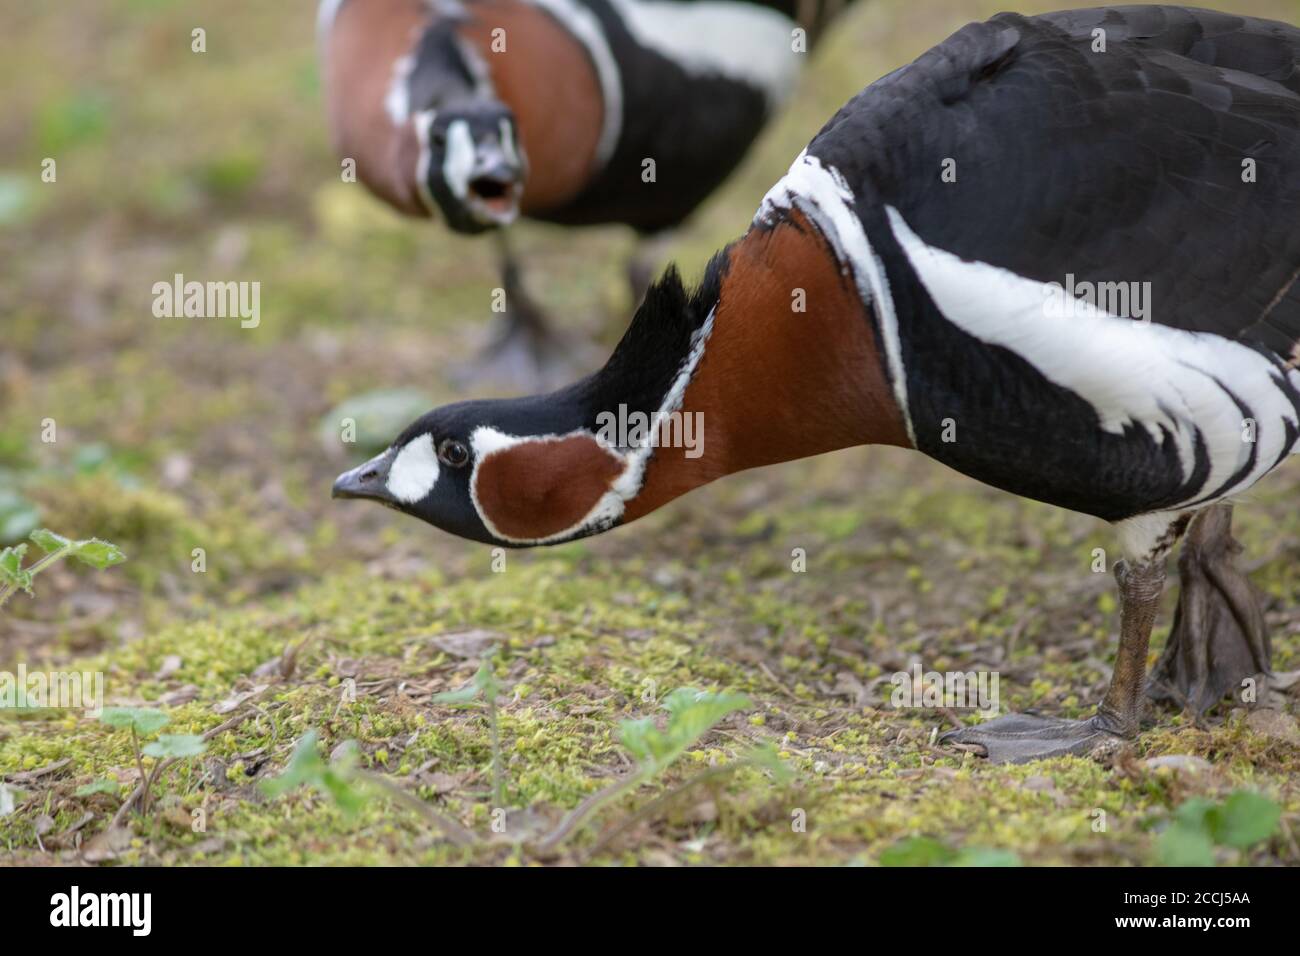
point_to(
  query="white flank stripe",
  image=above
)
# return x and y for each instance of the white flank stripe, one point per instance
(740, 41)
(586, 29)
(1133, 373)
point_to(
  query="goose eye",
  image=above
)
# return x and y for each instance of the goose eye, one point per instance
(453, 453)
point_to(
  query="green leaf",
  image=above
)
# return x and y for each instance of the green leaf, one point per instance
(918, 851)
(89, 459)
(305, 766)
(81, 116)
(691, 714)
(18, 516)
(336, 780)
(486, 680)
(1240, 821)
(985, 856)
(96, 786)
(11, 568)
(340, 783)
(483, 684)
(1244, 819)
(176, 745)
(1195, 813)
(92, 551)
(458, 697)
(48, 541)
(927, 851)
(145, 720)
(97, 554)
(1184, 844)
(635, 735)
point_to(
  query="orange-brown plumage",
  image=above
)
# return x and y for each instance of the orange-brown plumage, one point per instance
(540, 488)
(811, 381)
(364, 42)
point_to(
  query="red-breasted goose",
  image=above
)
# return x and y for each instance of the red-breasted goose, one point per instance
(478, 111)
(942, 229)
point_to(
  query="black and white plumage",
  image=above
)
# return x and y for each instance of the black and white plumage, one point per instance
(1073, 164)
(687, 84)
(940, 224)
(576, 112)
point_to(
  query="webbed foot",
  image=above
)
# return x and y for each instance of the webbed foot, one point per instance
(1019, 738)
(1218, 640)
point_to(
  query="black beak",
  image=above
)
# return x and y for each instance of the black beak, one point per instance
(369, 480)
(495, 180)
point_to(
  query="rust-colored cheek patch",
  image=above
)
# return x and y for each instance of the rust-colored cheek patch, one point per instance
(539, 488)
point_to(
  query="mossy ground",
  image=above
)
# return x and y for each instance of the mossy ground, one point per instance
(174, 435)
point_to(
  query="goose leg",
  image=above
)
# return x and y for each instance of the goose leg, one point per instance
(1218, 639)
(525, 354)
(1017, 738)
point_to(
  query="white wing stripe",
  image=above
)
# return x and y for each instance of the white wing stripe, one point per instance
(1133, 373)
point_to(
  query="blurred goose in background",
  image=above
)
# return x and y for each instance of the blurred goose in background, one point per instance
(578, 112)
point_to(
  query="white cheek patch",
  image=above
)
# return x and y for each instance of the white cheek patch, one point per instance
(414, 471)
(458, 164)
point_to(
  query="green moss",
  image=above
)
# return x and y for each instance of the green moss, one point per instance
(867, 778)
